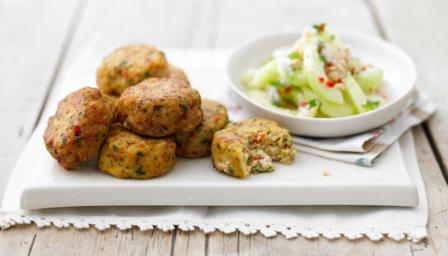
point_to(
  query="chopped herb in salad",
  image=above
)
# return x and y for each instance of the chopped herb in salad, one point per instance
(316, 77)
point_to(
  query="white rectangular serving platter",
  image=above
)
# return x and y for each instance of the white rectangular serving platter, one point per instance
(195, 182)
(40, 183)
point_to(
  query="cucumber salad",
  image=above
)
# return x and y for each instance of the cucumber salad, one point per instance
(316, 77)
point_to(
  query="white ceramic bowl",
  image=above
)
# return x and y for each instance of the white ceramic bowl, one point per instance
(399, 78)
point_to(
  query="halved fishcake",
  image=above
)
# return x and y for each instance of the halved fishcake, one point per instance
(230, 153)
(250, 146)
(268, 136)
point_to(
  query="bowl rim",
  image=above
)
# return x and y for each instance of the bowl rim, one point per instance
(343, 33)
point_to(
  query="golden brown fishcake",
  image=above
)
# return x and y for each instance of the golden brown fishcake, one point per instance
(197, 143)
(128, 66)
(112, 100)
(127, 155)
(175, 72)
(159, 107)
(250, 146)
(79, 127)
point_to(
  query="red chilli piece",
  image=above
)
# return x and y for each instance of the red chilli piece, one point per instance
(288, 89)
(330, 64)
(77, 130)
(321, 27)
(330, 84)
(321, 79)
(286, 146)
(256, 158)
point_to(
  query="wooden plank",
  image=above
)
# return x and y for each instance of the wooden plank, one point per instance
(248, 245)
(421, 32)
(30, 240)
(69, 242)
(31, 46)
(32, 41)
(343, 14)
(244, 20)
(17, 241)
(189, 243)
(163, 24)
(248, 22)
(437, 193)
(223, 244)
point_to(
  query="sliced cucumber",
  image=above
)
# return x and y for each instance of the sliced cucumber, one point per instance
(286, 96)
(327, 109)
(266, 74)
(336, 110)
(308, 94)
(261, 97)
(370, 79)
(298, 79)
(316, 77)
(354, 93)
(375, 97)
(293, 96)
(354, 63)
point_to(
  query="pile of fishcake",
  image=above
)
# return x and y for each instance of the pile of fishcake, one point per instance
(132, 122)
(145, 113)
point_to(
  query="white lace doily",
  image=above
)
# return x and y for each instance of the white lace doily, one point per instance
(330, 222)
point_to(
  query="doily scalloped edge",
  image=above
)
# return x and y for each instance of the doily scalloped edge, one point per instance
(396, 233)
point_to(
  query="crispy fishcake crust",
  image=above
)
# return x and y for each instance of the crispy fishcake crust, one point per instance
(197, 143)
(127, 155)
(79, 127)
(128, 66)
(159, 107)
(236, 147)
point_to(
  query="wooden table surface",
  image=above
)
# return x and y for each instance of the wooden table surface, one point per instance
(40, 39)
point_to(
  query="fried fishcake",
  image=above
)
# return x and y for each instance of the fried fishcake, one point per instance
(159, 107)
(79, 127)
(127, 155)
(197, 143)
(128, 66)
(250, 146)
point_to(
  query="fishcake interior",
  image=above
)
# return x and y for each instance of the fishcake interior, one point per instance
(250, 147)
